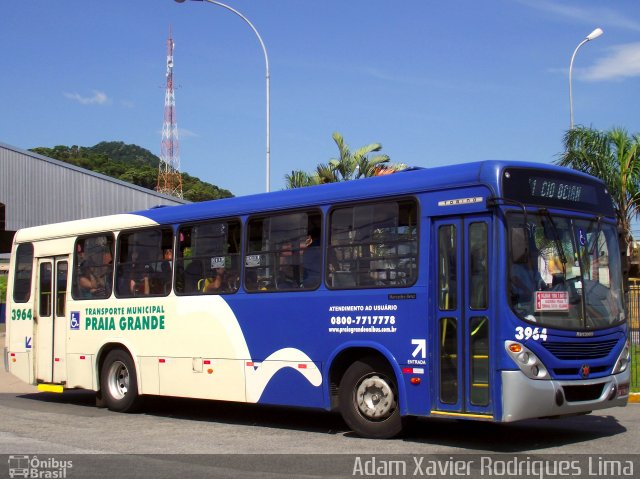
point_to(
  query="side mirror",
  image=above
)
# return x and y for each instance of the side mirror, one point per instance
(519, 245)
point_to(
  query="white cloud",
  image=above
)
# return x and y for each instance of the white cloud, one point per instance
(602, 16)
(184, 133)
(623, 61)
(98, 98)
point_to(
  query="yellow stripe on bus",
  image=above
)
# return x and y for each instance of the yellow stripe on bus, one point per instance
(459, 414)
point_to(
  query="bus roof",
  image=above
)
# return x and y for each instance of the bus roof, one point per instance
(405, 182)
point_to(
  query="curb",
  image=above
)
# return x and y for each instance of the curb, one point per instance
(634, 398)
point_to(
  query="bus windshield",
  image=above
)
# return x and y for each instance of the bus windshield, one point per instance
(564, 272)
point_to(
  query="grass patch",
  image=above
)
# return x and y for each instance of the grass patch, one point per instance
(635, 368)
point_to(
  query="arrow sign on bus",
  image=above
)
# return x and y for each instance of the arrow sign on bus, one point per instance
(27, 342)
(421, 348)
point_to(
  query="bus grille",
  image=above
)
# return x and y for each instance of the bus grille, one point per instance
(592, 350)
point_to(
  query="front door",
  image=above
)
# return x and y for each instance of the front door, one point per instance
(49, 341)
(460, 335)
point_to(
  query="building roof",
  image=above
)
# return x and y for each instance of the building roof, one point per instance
(39, 190)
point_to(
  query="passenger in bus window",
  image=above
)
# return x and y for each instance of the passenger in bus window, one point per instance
(213, 283)
(311, 259)
(165, 272)
(525, 281)
(137, 275)
(87, 282)
(105, 278)
(94, 281)
(289, 267)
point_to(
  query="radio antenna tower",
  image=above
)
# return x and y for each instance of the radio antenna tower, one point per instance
(169, 177)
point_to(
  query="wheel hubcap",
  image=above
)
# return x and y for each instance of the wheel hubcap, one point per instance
(375, 398)
(118, 380)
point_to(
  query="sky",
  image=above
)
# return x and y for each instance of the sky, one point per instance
(435, 82)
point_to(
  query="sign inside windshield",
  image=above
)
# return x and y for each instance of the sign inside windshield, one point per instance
(552, 301)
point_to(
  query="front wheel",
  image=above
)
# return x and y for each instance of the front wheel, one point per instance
(369, 399)
(119, 382)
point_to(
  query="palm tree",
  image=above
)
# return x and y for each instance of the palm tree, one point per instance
(298, 179)
(614, 157)
(350, 166)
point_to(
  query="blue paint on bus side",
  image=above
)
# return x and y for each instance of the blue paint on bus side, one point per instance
(305, 321)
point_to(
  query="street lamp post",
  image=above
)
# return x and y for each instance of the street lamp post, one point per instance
(592, 36)
(267, 78)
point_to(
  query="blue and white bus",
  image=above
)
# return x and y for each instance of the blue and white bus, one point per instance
(488, 291)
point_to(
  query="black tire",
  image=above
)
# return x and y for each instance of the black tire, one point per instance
(369, 399)
(119, 382)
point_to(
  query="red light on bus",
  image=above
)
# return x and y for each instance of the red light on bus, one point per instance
(416, 381)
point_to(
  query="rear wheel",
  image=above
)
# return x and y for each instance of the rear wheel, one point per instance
(369, 399)
(119, 382)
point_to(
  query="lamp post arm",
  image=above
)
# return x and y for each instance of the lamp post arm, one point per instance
(570, 81)
(268, 82)
(231, 9)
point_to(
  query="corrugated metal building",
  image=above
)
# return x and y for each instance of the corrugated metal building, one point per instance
(36, 190)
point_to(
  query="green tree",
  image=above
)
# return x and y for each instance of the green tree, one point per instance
(3, 288)
(348, 166)
(358, 164)
(130, 163)
(298, 179)
(614, 157)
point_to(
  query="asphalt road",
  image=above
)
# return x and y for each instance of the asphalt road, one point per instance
(281, 442)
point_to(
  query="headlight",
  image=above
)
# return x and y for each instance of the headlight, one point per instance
(528, 362)
(623, 360)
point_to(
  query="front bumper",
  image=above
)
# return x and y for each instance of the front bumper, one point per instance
(524, 398)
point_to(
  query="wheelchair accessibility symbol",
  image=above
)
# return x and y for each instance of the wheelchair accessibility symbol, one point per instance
(75, 320)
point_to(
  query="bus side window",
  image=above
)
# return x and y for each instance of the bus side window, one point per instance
(142, 263)
(373, 245)
(208, 258)
(93, 267)
(284, 252)
(23, 273)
